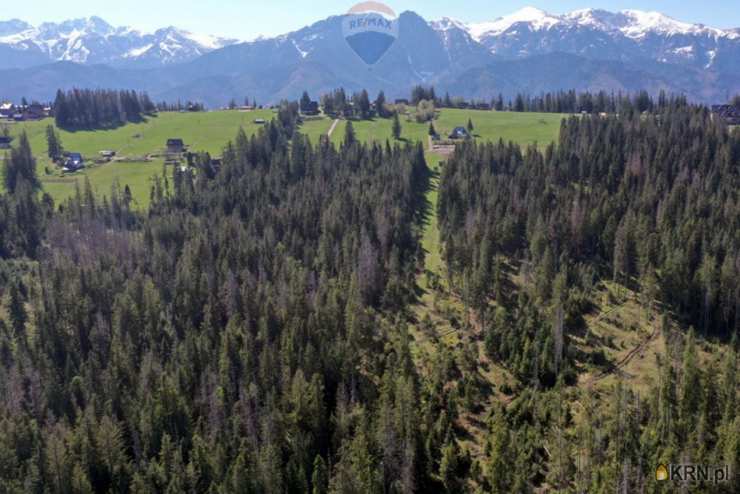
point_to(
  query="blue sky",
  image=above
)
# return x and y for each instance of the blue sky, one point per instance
(246, 19)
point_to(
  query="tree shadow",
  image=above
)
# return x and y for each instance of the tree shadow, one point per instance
(111, 126)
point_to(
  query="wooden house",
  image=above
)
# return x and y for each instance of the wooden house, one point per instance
(74, 162)
(459, 133)
(175, 146)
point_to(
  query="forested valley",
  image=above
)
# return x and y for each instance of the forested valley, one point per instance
(251, 332)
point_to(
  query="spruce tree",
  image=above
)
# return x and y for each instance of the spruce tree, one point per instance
(349, 134)
(380, 105)
(17, 311)
(21, 167)
(396, 127)
(53, 143)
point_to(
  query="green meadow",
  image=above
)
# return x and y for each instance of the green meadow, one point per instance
(522, 128)
(142, 143)
(136, 141)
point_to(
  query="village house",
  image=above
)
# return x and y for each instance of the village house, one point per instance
(74, 162)
(7, 109)
(5, 142)
(459, 133)
(311, 108)
(35, 111)
(175, 146)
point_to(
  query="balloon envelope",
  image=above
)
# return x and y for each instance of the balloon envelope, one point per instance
(370, 29)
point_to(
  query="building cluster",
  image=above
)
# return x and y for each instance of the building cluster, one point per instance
(23, 112)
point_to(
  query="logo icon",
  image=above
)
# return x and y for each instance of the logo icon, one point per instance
(370, 29)
(661, 473)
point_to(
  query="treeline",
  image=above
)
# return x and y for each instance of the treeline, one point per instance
(601, 102)
(179, 106)
(355, 106)
(359, 106)
(99, 108)
(556, 102)
(424, 100)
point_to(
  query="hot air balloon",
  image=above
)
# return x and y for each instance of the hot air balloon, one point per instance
(370, 28)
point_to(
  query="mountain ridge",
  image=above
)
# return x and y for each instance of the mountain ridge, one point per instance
(660, 52)
(93, 40)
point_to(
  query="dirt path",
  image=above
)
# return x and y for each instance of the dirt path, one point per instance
(621, 363)
(333, 126)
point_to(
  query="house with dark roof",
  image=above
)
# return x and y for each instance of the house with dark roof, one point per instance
(459, 133)
(35, 111)
(5, 142)
(310, 109)
(175, 146)
(7, 109)
(74, 162)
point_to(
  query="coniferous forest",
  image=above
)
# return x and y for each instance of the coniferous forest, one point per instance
(100, 108)
(649, 201)
(249, 332)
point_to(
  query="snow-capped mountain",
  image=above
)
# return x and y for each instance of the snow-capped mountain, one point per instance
(529, 51)
(94, 41)
(628, 35)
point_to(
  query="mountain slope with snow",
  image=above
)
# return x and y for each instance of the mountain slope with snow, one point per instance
(93, 41)
(628, 35)
(631, 23)
(528, 51)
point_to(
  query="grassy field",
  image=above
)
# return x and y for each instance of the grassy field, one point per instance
(315, 128)
(201, 131)
(522, 128)
(380, 130)
(212, 130)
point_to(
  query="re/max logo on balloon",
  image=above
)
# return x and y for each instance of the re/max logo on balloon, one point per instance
(370, 29)
(371, 21)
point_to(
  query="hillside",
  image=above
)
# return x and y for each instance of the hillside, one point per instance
(518, 314)
(139, 145)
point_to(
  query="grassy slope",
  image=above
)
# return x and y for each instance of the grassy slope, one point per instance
(315, 128)
(210, 131)
(380, 130)
(201, 131)
(522, 128)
